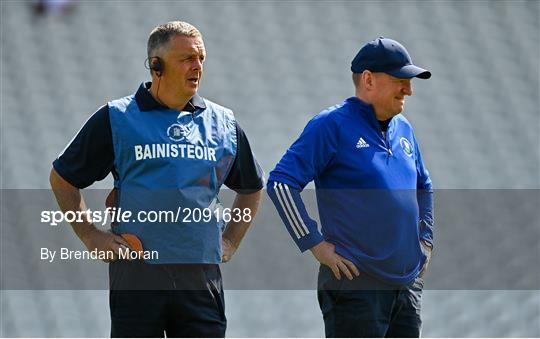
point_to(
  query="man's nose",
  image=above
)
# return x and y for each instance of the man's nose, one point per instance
(197, 64)
(407, 89)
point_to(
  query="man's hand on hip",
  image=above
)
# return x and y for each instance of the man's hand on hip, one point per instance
(99, 240)
(228, 249)
(428, 250)
(235, 230)
(325, 253)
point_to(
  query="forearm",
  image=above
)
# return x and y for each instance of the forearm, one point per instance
(69, 198)
(293, 213)
(425, 204)
(235, 231)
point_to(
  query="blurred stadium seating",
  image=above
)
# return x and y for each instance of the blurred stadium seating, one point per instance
(276, 64)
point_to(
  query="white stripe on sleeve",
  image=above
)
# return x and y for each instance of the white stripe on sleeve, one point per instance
(290, 204)
(296, 211)
(284, 207)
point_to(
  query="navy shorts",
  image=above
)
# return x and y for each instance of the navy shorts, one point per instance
(173, 300)
(367, 307)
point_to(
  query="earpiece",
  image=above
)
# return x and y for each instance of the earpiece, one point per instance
(156, 65)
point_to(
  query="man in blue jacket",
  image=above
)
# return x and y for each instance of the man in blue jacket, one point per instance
(374, 197)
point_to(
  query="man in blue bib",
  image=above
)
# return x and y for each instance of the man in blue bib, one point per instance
(374, 197)
(170, 151)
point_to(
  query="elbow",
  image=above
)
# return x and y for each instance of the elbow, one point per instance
(251, 198)
(249, 192)
(253, 194)
(53, 178)
(58, 183)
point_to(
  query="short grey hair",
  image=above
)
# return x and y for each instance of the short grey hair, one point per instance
(356, 78)
(162, 34)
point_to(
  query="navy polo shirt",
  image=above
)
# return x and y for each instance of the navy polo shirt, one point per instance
(90, 155)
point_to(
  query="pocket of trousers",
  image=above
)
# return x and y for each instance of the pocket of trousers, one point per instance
(329, 283)
(215, 287)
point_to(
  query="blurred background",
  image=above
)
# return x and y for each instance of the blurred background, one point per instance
(276, 64)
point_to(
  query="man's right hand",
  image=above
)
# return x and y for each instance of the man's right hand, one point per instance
(99, 240)
(325, 253)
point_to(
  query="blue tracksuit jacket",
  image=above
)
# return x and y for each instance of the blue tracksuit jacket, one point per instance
(374, 194)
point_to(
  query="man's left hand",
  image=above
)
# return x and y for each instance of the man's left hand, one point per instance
(228, 249)
(427, 249)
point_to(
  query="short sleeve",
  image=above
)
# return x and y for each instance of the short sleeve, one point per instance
(246, 175)
(89, 157)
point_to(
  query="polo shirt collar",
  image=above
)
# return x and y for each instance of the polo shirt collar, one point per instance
(146, 101)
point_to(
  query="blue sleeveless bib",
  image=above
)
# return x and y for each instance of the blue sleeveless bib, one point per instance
(170, 167)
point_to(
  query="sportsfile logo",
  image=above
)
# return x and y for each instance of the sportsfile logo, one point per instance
(361, 143)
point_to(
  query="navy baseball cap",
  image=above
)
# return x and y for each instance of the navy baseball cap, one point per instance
(388, 56)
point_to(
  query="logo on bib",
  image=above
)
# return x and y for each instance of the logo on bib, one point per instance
(177, 132)
(406, 145)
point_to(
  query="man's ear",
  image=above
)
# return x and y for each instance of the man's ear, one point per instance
(368, 79)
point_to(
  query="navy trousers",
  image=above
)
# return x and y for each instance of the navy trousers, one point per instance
(367, 307)
(182, 300)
